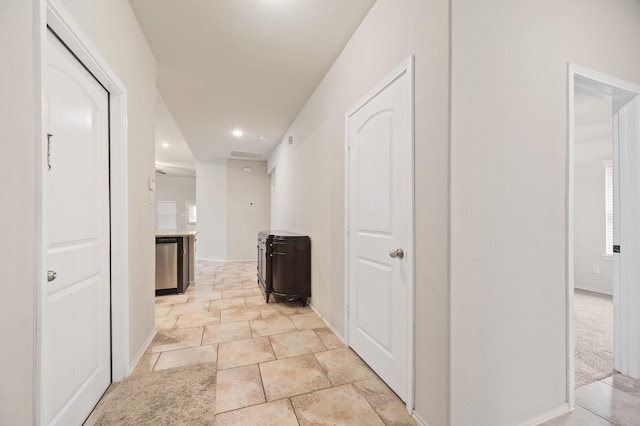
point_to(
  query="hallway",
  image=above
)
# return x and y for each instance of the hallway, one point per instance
(275, 364)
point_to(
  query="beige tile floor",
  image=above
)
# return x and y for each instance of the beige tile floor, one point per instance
(277, 363)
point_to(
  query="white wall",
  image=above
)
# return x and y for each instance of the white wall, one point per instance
(227, 224)
(308, 196)
(244, 221)
(113, 29)
(17, 212)
(179, 189)
(128, 54)
(509, 132)
(589, 201)
(211, 199)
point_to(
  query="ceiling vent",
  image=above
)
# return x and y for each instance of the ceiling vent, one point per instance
(245, 155)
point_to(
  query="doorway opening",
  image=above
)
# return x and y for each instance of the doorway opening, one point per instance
(603, 205)
(593, 235)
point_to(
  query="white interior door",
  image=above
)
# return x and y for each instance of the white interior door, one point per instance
(380, 229)
(75, 346)
(626, 233)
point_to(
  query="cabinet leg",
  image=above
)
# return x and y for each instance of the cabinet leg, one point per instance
(267, 295)
(304, 302)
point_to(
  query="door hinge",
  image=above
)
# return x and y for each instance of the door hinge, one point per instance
(347, 310)
(616, 249)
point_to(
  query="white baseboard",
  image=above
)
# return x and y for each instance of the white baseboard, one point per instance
(595, 290)
(226, 260)
(210, 260)
(136, 359)
(546, 415)
(419, 420)
(329, 326)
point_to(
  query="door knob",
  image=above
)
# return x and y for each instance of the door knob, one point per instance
(397, 253)
(51, 275)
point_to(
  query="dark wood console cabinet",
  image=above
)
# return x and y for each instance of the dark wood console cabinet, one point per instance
(284, 264)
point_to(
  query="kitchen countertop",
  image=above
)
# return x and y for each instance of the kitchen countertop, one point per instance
(175, 233)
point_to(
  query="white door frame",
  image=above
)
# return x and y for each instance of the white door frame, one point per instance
(407, 66)
(54, 14)
(626, 284)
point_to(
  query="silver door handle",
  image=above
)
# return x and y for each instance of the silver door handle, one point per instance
(397, 253)
(49, 136)
(51, 275)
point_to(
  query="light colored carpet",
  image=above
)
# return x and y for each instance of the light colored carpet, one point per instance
(176, 396)
(593, 323)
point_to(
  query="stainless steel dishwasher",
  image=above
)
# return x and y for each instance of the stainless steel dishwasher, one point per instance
(166, 263)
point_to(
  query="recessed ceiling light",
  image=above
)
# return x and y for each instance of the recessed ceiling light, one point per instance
(237, 133)
(263, 138)
(165, 145)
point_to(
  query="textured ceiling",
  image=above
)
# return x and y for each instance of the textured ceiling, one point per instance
(247, 64)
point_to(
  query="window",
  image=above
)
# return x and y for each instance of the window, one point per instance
(608, 207)
(167, 215)
(191, 214)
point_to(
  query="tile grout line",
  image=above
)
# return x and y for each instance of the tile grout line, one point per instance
(264, 390)
(295, 412)
(596, 414)
(153, 367)
(353, 385)
(618, 389)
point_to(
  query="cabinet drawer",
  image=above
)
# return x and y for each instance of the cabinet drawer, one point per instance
(288, 247)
